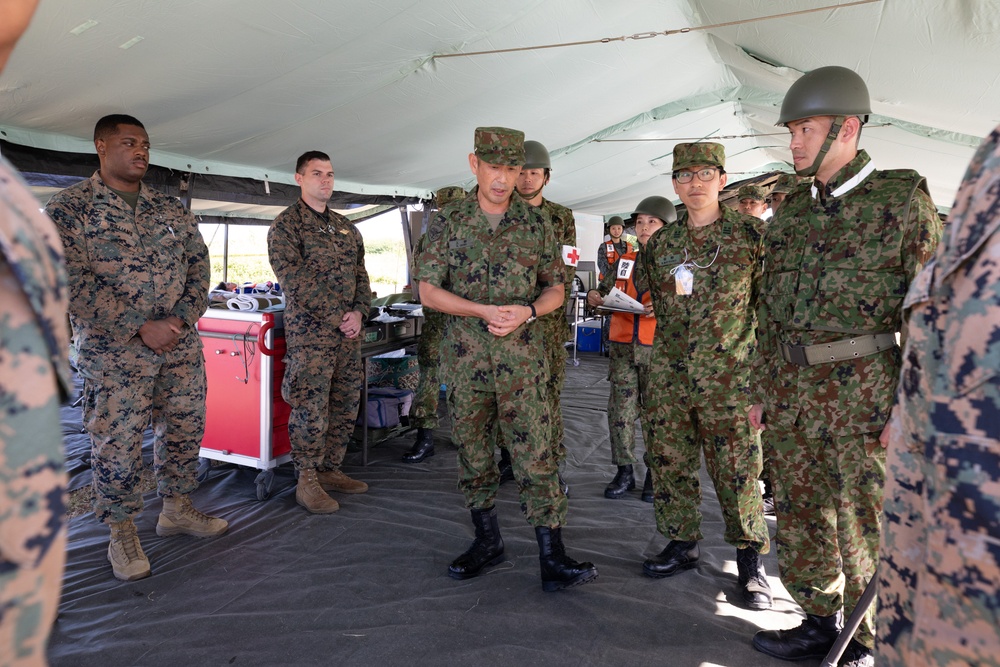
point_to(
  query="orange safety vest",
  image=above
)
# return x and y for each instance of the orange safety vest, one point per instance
(626, 327)
(612, 253)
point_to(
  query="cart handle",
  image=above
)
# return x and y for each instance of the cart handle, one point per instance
(262, 335)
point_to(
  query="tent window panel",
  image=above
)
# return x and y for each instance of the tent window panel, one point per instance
(385, 253)
(246, 259)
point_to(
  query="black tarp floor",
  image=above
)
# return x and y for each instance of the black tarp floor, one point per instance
(368, 585)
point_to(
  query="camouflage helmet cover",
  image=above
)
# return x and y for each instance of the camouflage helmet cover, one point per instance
(445, 196)
(500, 146)
(751, 192)
(786, 183)
(698, 154)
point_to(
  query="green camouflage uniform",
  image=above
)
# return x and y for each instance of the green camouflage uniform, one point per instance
(34, 377)
(319, 259)
(424, 411)
(125, 267)
(498, 382)
(940, 554)
(555, 327)
(628, 372)
(698, 392)
(838, 261)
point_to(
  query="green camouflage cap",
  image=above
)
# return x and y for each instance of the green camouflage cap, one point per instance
(786, 183)
(696, 155)
(751, 192)
(500, 146)
(447, 195)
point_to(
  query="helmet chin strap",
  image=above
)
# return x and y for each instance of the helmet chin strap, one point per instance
(528, 196)
(830, 136)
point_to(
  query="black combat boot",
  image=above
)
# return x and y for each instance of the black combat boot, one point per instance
(813, 638)
(559, 571)
(767, 497)
(623, 482)
(505, 468)
(423, 446)
(647, 487)
(676, 556)
(486, 549)
(754, 589)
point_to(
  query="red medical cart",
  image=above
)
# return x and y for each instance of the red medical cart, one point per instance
(246, 420)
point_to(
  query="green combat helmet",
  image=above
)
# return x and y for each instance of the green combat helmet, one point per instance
(658, 207)
(826, 91)
(612, 221)
(448, 195)
(536, 156)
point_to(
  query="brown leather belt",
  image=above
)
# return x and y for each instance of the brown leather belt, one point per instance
(849, 348)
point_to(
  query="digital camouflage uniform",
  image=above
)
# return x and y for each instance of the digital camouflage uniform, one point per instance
(628, 370)
(34, 377)
(320, 261)
(940, 556)
(496, 381)
(698, 377)
(126, 267)
(838, 262)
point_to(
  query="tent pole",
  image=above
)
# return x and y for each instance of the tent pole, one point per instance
(408, 244)
(225, 252)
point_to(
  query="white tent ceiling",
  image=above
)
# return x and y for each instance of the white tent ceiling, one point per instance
(241, 87)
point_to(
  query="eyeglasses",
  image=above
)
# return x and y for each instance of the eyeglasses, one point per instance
(688, 176)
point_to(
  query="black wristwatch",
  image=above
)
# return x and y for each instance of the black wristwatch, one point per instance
(534, 316)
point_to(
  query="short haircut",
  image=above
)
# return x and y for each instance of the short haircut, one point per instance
(300, 164)
(108, 125)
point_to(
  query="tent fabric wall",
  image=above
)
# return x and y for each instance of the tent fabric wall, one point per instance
(241, 87)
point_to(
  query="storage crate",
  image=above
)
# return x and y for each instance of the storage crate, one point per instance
(402, 372)
(588, 336)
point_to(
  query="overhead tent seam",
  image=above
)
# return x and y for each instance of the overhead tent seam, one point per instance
(655, 33)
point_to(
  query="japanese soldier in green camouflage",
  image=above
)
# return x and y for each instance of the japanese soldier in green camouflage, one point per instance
(631, 342)
(783, 187)
(838, 259)
(424, 412)
(752, 200)
(939, 562)
(557, 332)
(318, 256)
(703, 271)
(492, 263)
(34, 378)
(138, 281)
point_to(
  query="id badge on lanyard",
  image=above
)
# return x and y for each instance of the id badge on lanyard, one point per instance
(684, 281)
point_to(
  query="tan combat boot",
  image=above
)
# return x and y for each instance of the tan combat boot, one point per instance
(335, 480)
(125, 553)
(179, 517)
(311, 495)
